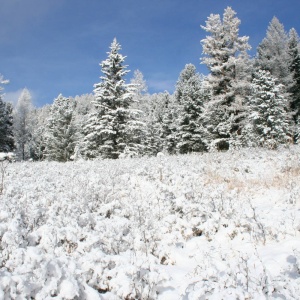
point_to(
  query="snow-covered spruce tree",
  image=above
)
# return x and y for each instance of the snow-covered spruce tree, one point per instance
(269, 121)
(225, 55)
(60, 133)
(273, 54)
(114, 128)
(23, 125)
(151, 106)
(6, 127)
(83, 109)
(297, 131)
(168, 123)
(6, 122)
(159, 111)
(190, 95)
(294, 52)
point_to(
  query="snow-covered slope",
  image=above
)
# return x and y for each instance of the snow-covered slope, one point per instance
(212, 226)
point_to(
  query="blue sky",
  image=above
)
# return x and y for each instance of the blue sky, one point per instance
(55, 46)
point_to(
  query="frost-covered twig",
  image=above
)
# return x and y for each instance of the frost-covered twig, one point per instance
(3, 167)
(259, 223)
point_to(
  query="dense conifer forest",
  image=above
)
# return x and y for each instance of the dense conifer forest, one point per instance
(243, 102)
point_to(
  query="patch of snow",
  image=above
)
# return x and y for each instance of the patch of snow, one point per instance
(211, 226)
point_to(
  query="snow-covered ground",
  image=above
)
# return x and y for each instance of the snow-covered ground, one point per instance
(211, 226)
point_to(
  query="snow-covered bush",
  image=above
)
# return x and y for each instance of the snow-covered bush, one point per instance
(10, 156)
(197, 226)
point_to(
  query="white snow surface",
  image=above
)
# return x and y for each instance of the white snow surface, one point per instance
(199, 226)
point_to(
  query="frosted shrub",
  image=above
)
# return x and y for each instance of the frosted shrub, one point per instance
(39, 275)
(214, 225)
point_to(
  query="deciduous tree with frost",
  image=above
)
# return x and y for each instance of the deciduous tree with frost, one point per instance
(225, 55)
(139, 83)
(23, 126)
(273, 54)
(39, 118)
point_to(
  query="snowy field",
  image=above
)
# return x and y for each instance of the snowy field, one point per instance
(211, 226)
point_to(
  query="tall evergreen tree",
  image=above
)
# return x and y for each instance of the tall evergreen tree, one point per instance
(60, 132)
(294, 52)
(167, 123)
(190, 95)
(227, 60)
(6, 127)
(6, 122)
(297, 131)
(160, 112)
(114, 127)
(152, 111)
(269, 122)
(23, 125)
(273, 54)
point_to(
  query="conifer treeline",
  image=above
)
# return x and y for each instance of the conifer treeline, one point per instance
(242, 102)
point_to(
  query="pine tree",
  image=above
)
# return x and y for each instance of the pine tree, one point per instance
(294, 52)
(229, 79)
(269, 120)
(273, 54)
(23, 125)
(190, 95)
(114, 127)
(60, 132)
